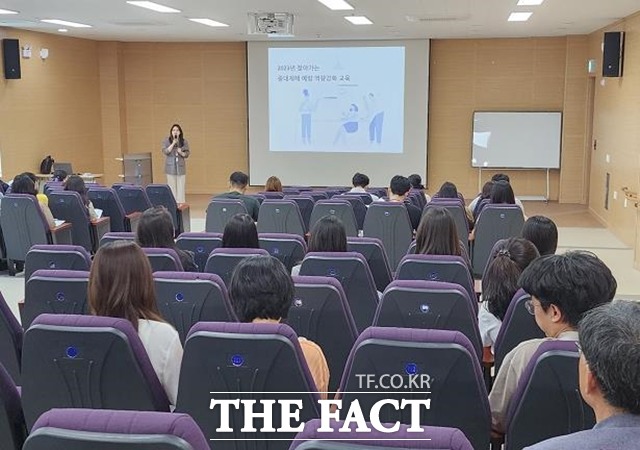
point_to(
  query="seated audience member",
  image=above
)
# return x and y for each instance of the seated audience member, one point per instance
(23, 184)
(121, 285)
(500, 284)
(479, 203)
(437, 234)
(450, 190)
(543, 233)
(360, 182)
(398, 190)
(416, 183)
(155, 230)
(238, 182)
(240, 232)
(609, 371)
(261, 291)
(273, 185)
(59, 175)
(562, 289)
(76, 184)
(494, 178)
(327, 235)
(502, 194)
(41, 197)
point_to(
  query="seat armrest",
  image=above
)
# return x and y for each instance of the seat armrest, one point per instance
(99, 227)
(132, 220)
(61, 234)
(184, 218)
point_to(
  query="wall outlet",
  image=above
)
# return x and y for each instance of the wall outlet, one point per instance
(615, 195)
(607, 158)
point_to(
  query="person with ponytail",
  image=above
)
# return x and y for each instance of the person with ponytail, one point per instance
(500, 283)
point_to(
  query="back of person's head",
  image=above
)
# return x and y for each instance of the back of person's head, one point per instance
(610, 343)
(273, 185)
(121, 283)
(502, 193)
(23, 184)
(239, 180)
(240, 232)
(416, 181)
(261, 288)
(543, 233)
(501, 177)
(155, 228)
(360, 180)
(59, 175)
(486, 190)
(399, 185)
(76, 184)
(32, 176)
(575, 282)
(328, 235)
(437, 233)
(500, 282)
(448, 190)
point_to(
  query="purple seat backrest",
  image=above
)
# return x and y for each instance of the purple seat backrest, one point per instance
(60, 257)
(10, 341)
(271, 219)
(269, 195)
(112, 236)
(164, 253)
(284, 237)
(373, 250)
(240, 252)
(223, 261)
(123, 422)
(389, 221)
(430, 438)
(11, 412)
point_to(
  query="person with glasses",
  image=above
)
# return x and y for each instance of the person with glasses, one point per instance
(562, 288)
(609, 371)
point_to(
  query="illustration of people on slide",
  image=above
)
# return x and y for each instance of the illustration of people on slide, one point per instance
(307, 108)
(349, 125)
(376, 113)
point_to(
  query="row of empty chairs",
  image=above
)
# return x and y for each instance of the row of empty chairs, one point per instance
(116, 374)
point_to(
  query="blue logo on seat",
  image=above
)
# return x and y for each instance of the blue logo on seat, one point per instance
(297, 302)
(502, 215)
(411, 368)
(332, 272)
(52, 264)
(434, 276)
(387, 213)
(275, 251)
(424, 308)
(60, 296)
(72, 352)
(237, 360)
(200, 249)
(179, 297)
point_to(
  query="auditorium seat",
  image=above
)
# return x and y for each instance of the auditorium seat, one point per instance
(305, 203)
(338, 207)
(320, 312)
(12, 427)
(82, 429)
(163, 259)
(375, 254)
(455, 383)
(457, 211)
(547, 402)
(352, 271)
(429, 305)
(10, 341)
(185, 298)
(108, 201)
(248, 360)
(280, 216)
(359, 206)
(272, 195)
(288, 248)
(93, 362)
(449, 269)
(430, 438)
(389, 222)
(201, 244)
(161, 195)
(517, 326)
(56, 257)
(219, 211)
(133, 198)
(117, 236)
(223, 261)
(55, 292)
(316, 195)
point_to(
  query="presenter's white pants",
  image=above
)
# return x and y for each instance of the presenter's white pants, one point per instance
(176, 184)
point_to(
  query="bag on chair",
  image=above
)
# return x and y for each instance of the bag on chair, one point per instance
(46, 165)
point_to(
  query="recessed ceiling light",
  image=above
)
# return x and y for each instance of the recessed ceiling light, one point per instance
(7, 11)
(337, 5)
(62, 30)
(154, 6)
(530, 2)
(519, 16)
(66, 23)
(359, 20)
(209, 22)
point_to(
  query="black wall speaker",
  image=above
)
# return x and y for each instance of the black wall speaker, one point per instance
(613, 54)
(11, 58)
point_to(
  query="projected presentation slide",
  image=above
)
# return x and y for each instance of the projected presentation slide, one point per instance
(341, 99)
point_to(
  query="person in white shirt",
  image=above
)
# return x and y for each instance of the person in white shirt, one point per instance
(497, 177)
(121, 285)
(360, 182)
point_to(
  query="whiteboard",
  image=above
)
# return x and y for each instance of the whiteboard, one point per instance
(518, 140)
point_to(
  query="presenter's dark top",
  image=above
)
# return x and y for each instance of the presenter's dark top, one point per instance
(252, 205)
(174, 163)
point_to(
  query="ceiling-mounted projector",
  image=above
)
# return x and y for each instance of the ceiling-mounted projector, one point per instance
(271, 24)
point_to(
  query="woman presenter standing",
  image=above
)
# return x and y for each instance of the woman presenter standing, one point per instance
(176, 149)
